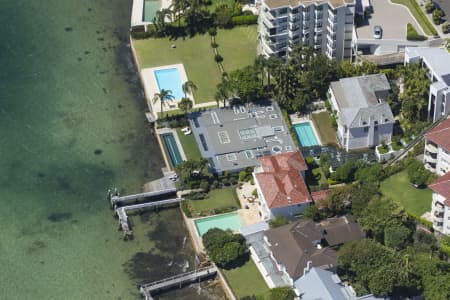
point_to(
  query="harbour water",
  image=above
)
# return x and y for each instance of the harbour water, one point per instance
(72, 125)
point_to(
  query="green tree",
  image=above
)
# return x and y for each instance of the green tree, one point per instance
(224, 247)
(281, 293)
(245, 83)
(162, 96)
(188, 87)
(397, 236)
(437, 16)
(185, 105)
(223, 92)
(278, 221)
(346, 172)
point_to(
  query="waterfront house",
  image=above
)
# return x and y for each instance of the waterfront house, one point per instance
(440, 206)
(437, 149)
(233, 138)
(437, 63)
(363, 117)
(283, 253)
(325, 26)
(281, 188)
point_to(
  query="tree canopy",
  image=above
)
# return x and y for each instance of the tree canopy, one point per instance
(224, 247)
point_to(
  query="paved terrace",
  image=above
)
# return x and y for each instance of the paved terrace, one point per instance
(233, 138)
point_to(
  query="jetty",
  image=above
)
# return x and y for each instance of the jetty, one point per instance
(116, 200)
(121, 212)
(178, 280)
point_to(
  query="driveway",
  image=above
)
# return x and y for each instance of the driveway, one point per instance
(391, 17)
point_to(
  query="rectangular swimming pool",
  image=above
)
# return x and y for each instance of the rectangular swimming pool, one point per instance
(305, 134)
(170, 79)
(150, 9)
(226, 221)
(171, 149)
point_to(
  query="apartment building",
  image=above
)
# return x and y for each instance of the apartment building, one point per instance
(323, 25)
(437, 63)
(440, 206)
(437, 149)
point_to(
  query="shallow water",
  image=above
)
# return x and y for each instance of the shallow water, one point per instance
(72, 125)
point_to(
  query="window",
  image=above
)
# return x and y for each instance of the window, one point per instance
(269, 108)
(278, 128)
(203, 141)
(376, 128)
(249, 154)
(248, 133)
(366, 129)
(231, 156)
(224, 138)
(273, 116)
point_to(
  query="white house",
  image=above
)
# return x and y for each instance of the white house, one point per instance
(440, 206)
(364, 119)
(280, 185)
(437, 148)
(437, 62)
(326, 26)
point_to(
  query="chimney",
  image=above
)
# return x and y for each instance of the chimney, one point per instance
(308, 267)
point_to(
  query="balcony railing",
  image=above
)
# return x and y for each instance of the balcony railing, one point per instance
(430, 147)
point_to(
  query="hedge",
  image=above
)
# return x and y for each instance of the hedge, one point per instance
(421, 220)
(412, 34)
(244, 20)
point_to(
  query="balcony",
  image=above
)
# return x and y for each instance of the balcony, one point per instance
(318, 14)
(305, 30)
(430, 167)
(431, 148)
(430, 159)
(317, 46)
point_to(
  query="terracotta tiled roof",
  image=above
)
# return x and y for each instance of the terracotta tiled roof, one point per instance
(281, 182)
(440, 135)
(441, 186)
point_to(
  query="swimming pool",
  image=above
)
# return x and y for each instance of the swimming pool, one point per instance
(150, 9)
(305, 134)
(170, 79)
(225, 221)
(171, 149)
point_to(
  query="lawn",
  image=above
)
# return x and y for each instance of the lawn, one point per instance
(419, 15)
(217, 199)
(237, 46)
(189, 144)
(194, 53)
(398, 188)
(246, 281)
(322, 122)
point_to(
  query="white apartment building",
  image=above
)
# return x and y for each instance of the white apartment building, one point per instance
(437, 62)
(320, 24)
(440, 206)
(437, 149)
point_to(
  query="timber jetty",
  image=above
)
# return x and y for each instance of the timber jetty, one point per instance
(176, 281)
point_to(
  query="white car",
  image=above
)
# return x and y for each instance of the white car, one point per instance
(377, 32)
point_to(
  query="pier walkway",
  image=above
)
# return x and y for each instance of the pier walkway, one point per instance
(178, 280)
(117, 199)
(121, 212)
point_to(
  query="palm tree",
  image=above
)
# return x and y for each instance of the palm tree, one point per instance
(260, 65)
(180, 7)
(223, 92)
(161, 96)
(188, 87)
(185, 105)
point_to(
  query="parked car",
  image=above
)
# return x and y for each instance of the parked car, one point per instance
(377, 32)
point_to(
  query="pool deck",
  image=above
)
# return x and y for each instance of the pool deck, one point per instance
(151, 88)
(251, 215)
(161, 145)
(297, 119)
(137, 12)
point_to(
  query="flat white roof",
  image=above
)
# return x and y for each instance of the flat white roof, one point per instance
(437, 59)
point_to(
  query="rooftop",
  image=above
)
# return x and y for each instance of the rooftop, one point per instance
(280, 179)
(294, 3)
(441, 186)
(440, 134)
(233, 138)
(438, 59)
(295, 244)
(361, 99)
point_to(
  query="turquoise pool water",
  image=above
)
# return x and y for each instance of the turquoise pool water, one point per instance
(150, 9)
(225, 221)
(170, 79)
(171, 149)
(305, 134)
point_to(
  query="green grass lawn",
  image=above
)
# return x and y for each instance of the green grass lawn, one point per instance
(398, 188)
(246, 281)
(419, 15)
(194, 53)
(237, 46)
(189, 144)
(217, 199)
(322, 122)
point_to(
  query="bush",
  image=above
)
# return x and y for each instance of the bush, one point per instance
(218, 58)
(383, 149)
(255, 193)
(224, 247)
(214, 45)
(244, 20)
(445, 27)
(437, 16)
(185, 208)
(429, 7)
(412, 34)
(278, 221)
(310, 160)
(212, 31)
(281, 293)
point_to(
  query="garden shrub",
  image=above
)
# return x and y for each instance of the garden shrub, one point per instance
(218, 58)
(437, 16)
(412, 34)
(445, 27)
(185, 208)
(429, 7)
(244, 20)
